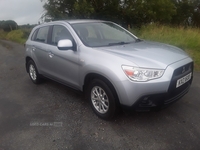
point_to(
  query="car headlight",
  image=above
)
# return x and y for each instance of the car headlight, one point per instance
(142, 74)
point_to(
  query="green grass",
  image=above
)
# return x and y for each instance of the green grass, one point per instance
(186, 38)
(18, 36)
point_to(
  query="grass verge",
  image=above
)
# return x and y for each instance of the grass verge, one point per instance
(18, 36)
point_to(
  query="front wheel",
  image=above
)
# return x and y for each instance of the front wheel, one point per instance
(102, 99)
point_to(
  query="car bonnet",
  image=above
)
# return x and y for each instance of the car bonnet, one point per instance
(147, 54)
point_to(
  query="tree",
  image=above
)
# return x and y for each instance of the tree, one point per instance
(133, 12)
(1, 24)
(141, 12)
(184, 9)
(8, 25)
(196, 13)
(63, 9)
(58, 9)
(106, 9)
(83, 9)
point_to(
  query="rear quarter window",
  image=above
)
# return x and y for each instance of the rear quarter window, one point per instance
(34, 35)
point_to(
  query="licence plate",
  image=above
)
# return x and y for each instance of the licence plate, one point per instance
(183, 80)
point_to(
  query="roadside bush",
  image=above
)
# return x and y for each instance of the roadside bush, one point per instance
(16, 36)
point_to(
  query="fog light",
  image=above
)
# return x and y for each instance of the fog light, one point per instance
(145, 100)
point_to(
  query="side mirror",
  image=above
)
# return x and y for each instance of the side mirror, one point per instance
(65, 44)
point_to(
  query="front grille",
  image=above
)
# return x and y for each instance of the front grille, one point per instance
(185, 68)
(174, 92)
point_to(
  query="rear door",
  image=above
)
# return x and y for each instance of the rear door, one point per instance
(39, 48)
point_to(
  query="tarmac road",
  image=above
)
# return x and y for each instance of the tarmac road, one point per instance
(51, 116)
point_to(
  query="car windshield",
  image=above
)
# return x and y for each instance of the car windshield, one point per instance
(100, 34)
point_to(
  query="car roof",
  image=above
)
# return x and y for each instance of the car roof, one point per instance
(83, 21)
(73, 21)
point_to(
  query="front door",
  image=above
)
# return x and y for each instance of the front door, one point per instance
(63, 65)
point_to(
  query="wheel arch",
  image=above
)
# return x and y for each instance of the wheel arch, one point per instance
(91, 76)
(27, 60)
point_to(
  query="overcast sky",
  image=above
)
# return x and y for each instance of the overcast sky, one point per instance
(21, 11)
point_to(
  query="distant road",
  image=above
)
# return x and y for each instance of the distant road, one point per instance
(51, 116)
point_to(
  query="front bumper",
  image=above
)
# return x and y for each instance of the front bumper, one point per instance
(157, 101)
(158, 93)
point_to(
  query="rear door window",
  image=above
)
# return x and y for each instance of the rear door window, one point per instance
(42, 34)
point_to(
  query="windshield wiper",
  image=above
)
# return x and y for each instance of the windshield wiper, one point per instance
(122, 43)
(138, 40)
(118, 43)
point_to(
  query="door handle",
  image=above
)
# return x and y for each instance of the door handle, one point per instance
(51, 54)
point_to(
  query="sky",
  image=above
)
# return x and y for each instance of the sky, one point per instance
(21, 11)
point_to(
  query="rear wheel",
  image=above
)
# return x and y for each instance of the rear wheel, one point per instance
(33, 73)
(102, 99)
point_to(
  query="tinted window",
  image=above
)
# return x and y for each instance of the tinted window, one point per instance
(59, 33)
(42, 34)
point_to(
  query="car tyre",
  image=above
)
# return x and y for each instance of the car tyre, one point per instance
(33, 72)
(102, 99)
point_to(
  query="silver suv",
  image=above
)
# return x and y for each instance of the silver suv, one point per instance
(112, 66)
